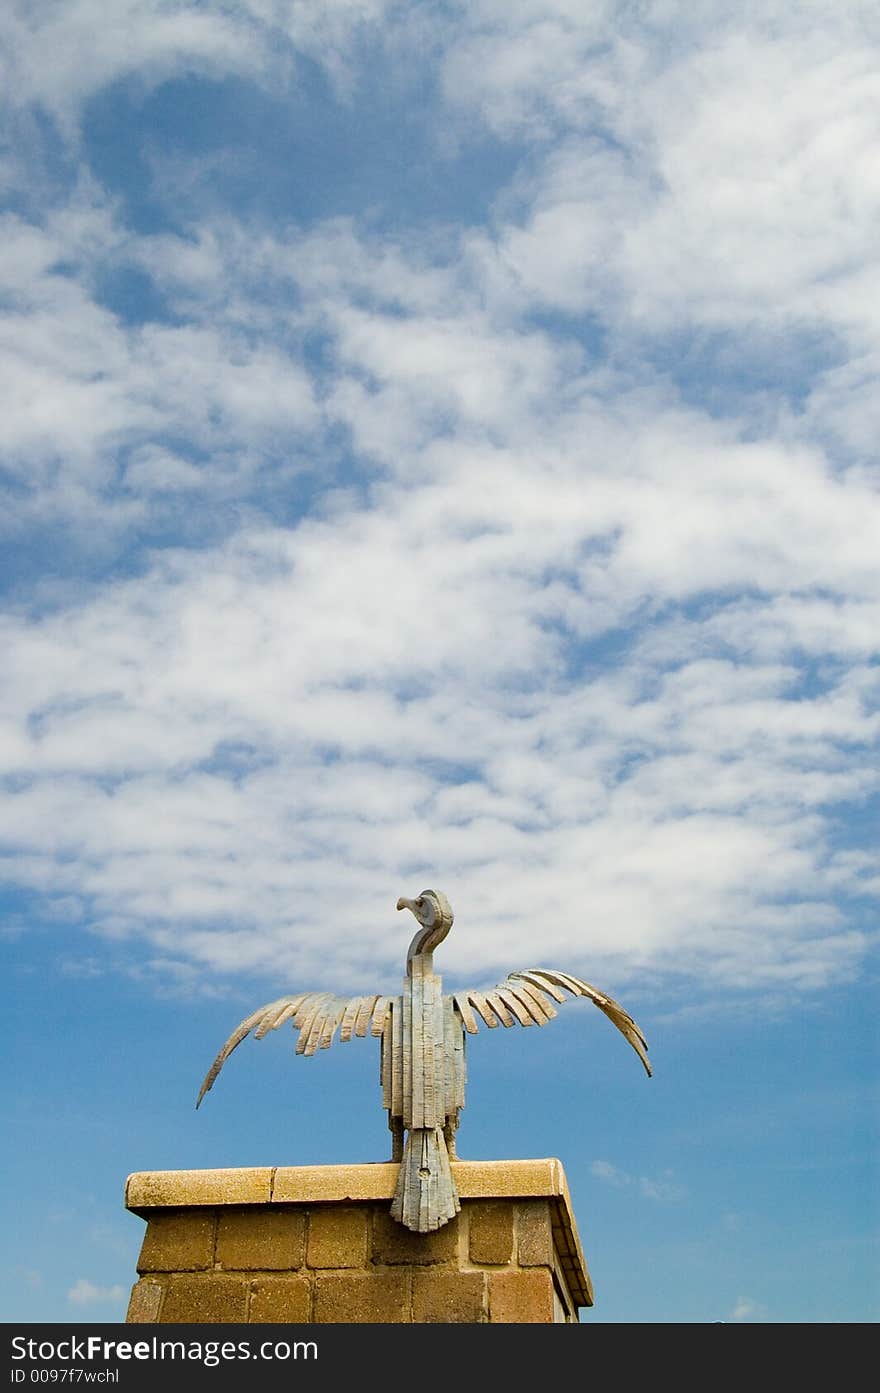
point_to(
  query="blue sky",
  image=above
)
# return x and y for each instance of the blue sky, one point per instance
(439, 449)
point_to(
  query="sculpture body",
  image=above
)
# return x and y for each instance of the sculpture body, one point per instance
(423, 1077)
(422, 1064)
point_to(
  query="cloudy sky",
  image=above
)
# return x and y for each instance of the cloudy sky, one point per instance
(438, 448)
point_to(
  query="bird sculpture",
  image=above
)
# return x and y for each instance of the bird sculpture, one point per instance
(422, 1035)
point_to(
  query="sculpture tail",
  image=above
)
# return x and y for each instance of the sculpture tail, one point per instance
(426, 1197)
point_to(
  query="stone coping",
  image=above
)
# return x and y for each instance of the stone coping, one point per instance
(149, 1191)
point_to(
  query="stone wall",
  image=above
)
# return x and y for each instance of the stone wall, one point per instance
(316, 1244)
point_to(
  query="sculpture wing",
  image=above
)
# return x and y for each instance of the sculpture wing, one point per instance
(526, 997)
(316, 1015)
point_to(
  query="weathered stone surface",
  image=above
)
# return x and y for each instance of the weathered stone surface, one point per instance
(280, 1300)
(338, 1236)
(509, 1179)
(260, 1239)
(212, 1297)
(392, 1243)
(146, 1190)
(145, 1302)
(333, 1184)
(512, 1256)
(149, 1190)
(521, 1297)
(449, 1297)
(490, 1231)
(359, 1298)
(534, 1234)
(179, 1241)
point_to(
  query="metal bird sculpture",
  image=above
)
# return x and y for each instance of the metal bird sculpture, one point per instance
(422, 1034)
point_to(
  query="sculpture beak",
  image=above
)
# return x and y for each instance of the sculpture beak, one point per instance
(404, 903)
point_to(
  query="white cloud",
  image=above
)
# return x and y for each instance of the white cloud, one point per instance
(86, 1293)
(604, 1170)
(386, 689)
(60, 53)
(747, 1310)
(597, 660)
(88, 401)
(662, 1188)
(708, 176)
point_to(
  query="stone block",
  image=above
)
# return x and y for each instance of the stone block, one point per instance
(280, 1300)
(371, 1180)
(145, 1302)
(490, 1227)
(338, 1236)
(392, 1243)
(521, 1297)
(534, 1234)
(261, 1238)
(178, 1241)
(509, 1179)
(444, 1297)
(209, 1298)
(146, 1190)
(362, 1298)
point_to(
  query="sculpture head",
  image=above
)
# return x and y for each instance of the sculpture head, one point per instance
(434, 914)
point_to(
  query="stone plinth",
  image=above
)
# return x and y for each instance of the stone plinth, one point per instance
(316, 1245)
